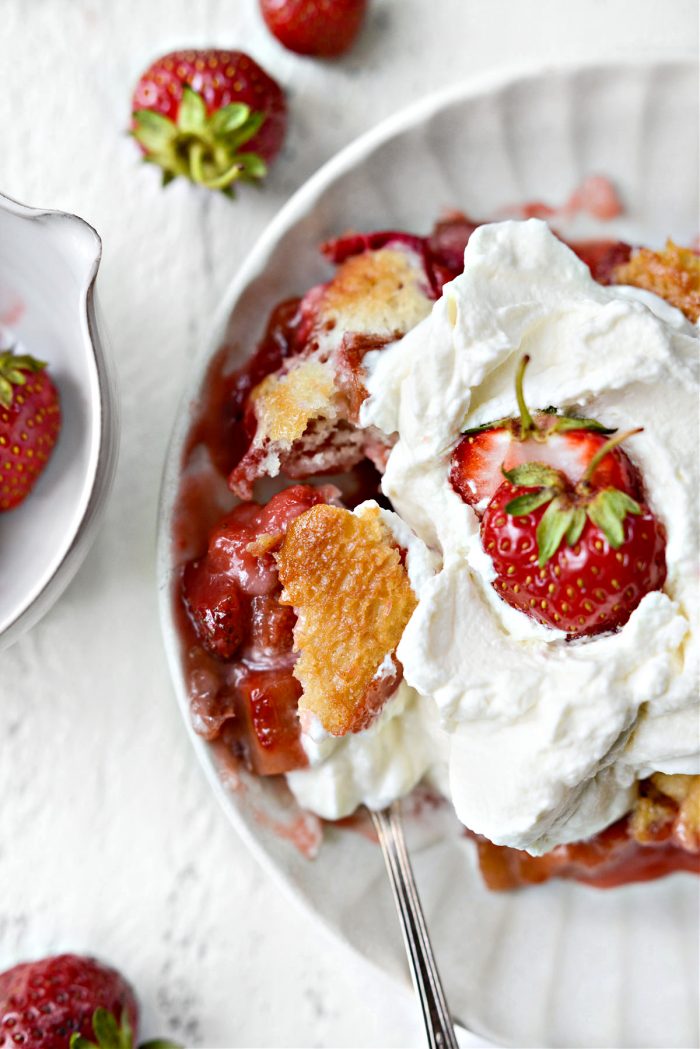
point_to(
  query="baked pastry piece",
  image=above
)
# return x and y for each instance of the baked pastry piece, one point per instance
(673, 274)
(302, 417)
(344, 576)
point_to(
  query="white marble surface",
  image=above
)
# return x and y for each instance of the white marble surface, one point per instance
(109, 839)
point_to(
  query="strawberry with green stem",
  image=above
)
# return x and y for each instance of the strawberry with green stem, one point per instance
(575, 557)
(68, 1001)
(214, 117)
(30, 422)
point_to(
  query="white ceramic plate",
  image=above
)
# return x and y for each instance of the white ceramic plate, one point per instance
(48, 265)
(562, 965)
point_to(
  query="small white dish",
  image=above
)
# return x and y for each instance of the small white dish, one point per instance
(562, 964)
(48, 265)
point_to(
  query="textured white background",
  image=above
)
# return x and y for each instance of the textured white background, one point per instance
(109, 839)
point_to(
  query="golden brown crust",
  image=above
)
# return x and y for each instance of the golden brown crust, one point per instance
(343, 575)
(376, 292)
(285, 404)
(673, 274)
(668, 806)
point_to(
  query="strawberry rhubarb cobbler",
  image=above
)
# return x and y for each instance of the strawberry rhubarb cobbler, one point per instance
(476, 563)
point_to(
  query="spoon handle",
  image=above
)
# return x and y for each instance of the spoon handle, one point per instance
(424, 972)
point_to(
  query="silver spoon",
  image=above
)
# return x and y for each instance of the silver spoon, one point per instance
(426, 979)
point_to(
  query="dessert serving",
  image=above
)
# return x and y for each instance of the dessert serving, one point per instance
(475, 567)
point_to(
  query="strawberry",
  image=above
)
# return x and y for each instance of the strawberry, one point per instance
(223, 591)
(564, 442)
(194, 111)
(579, 557)
(30, 420)
(64, 1000)
(269, 705)
(322, 28)
(216, 607)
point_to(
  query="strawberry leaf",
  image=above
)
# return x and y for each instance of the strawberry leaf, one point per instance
(159, 1043)
(608, 511)
(534, 475)
(497, 425)
(192, 114)
(229, 118)
(551, 530)
(252, 165)
(5, 393)
(12, 368)
(525, 504)
(248, 130)
(578, 521)
(153, 131)
(107, 1030)
(566, 423)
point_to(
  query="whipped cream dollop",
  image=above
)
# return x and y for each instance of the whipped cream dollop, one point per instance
(546, 736)
(404, 744)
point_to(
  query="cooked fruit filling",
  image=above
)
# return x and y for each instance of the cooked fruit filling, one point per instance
(246, 693)
(659, 836)
(323, 645)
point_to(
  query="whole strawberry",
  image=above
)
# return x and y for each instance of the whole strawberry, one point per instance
(66, 999)
(214, 117)
(577, 558)
(30, 421)
(322, 28)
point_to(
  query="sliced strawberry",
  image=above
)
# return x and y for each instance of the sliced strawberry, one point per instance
(564, 442)
(283, 508)
(216, 607)
(239, 565)
(479, 459)
(271, 628)
(269, 700)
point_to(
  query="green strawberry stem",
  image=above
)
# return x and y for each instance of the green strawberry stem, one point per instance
(603, 451)
(205, 148)
(112, 1035)
(196, 155)
(539, 429)
(567, 511)
(12, 373)
(527, 423)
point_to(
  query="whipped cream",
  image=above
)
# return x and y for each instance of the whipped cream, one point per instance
(404, 744)
(546, 737)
